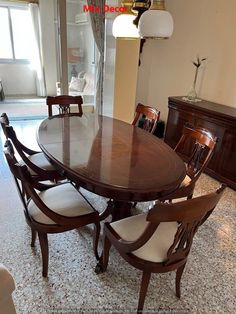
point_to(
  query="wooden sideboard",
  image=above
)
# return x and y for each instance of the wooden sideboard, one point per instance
(220, 120)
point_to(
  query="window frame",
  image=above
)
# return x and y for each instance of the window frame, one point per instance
(13, 60)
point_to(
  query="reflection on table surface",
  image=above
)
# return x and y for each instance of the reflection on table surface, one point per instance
(110, 152)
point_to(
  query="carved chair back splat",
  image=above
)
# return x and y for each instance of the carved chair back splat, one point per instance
(149, 115)
(203, 144)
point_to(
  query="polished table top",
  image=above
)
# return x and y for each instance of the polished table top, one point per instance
(110, 157)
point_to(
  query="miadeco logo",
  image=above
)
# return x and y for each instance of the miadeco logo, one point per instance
(105, 8)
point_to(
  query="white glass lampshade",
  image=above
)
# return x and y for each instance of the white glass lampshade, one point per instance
(123, 26)
(156, 24)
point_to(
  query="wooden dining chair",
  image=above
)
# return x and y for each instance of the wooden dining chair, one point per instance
(63, 104)
(146, 117)
(51, 208)
(160, 240)
(201, 143)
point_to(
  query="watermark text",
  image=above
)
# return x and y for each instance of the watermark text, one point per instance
(105, 9)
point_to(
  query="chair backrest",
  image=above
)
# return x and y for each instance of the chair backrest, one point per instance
(64, 103)
(12, 162)
(24, 152)
(203, 147)
(189, 214)
(4, 120)
(149, 117)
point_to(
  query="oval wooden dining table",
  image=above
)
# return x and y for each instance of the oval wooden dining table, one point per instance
(111, 158)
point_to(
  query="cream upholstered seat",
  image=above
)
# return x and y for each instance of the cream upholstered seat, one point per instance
(40, 161)
(7, 286)
(64, 200)
(186, 181)
(154, 250)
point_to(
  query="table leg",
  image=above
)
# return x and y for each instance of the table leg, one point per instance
(120, 210)
(117, 209)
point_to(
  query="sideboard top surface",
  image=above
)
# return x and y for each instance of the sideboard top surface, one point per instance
(207, 106)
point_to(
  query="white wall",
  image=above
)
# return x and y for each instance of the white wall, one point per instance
(126, 75)
(17, 79)
(207, 28)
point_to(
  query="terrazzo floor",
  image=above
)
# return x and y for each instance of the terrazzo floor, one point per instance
(24, 107)
(208, 283)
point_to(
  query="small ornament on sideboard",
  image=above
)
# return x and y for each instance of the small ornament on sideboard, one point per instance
(192, 95)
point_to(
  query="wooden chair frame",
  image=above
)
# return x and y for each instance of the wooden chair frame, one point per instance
(189, 214)
(27, 186)
(4, 120)
(24, 152)
(152, 116)
(204, 144)
(40, 173)
(64, 102)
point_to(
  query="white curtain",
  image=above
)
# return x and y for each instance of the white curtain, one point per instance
(36, 59)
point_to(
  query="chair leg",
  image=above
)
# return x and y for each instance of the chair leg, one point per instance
(43, 240)
(179, 273)
(97, 229)
(103, 261)
(143, 290)
(33, 237)
(190, 196)
(105, 256)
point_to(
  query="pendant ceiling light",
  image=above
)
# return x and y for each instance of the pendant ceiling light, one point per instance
(156, 22)
(123, 25)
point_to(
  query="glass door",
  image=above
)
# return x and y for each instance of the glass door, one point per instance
(77, 50)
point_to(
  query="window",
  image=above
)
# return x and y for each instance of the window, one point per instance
(16, 34)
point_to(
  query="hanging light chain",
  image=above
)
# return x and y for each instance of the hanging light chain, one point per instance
(128, 4)
(158, 5)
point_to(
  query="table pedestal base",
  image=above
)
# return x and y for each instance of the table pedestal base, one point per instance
(117, 209)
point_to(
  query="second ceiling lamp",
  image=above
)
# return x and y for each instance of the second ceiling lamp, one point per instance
(145, 19)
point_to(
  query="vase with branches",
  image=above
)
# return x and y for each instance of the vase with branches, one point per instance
(192, 95)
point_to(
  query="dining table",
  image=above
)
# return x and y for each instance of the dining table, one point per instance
(111, 158)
